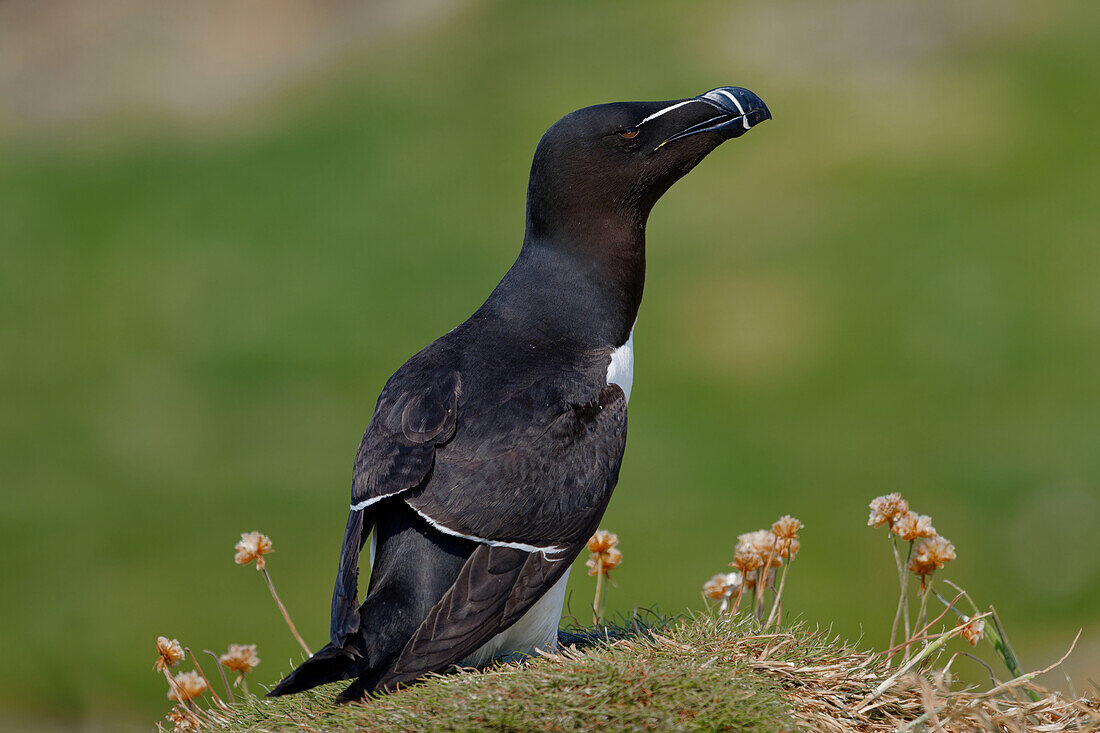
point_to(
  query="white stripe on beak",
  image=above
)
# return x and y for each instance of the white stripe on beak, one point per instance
(669, 108)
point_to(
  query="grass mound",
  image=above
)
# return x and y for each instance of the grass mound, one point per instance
(707, 673)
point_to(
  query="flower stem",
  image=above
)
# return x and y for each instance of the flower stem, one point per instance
(279, 603)
(761, 586)
(244, 684)
(599, 587)
(926, 588)
(225, 682)
(903, 586)
(779, 593)
(737, 601)
(213, 692)
(901, 591)
(173, 687)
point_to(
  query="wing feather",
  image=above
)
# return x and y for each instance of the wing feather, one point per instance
(540, 490)
(416, 412)
(496, 587)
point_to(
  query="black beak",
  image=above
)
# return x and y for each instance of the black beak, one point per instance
(737, 111)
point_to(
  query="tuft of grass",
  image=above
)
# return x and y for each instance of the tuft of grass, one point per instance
(710, 672)
(671, 676)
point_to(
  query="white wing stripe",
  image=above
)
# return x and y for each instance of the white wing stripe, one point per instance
(484, 541)
(367, 502)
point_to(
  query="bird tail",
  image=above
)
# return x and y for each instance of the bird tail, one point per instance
(342, 658)
(330, 664)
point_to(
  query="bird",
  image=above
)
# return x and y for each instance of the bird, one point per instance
(492, 454)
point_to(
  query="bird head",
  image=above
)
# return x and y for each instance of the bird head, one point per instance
(610, 163)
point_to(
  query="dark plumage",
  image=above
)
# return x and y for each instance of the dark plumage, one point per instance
(492, 454)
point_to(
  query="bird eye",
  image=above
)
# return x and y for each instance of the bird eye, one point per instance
(629, 132)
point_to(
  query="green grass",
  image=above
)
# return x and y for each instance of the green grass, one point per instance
(686, 678)
(890, 286)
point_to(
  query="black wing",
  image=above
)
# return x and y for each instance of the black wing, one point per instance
(532, 471)
(533, 501)
(496, 586)
(416, 412)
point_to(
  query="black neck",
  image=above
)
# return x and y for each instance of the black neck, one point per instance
(582, 284)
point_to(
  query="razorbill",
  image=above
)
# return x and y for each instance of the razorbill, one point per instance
(492, 454)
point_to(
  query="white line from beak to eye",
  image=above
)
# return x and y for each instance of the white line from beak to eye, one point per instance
(737, 103)
(669, 108)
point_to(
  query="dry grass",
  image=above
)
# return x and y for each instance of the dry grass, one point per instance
(707, 673)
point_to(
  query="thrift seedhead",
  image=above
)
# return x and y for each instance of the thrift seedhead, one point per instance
(746, 559)
(973, 629)
(911, 526)
(785, 531)
(240, 658)
(253, 546)
(602, 541)
(789, 548)
(610, 557)
(189, 685)
(931, 553)
(183, 721)
(786, 527)
(763, 541)
(604, 558)
(169, 653)
(722, 586)
(885, 509)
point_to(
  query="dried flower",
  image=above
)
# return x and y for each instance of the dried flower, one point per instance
(253, 546)
(602, 541)
(763, 541)
(884, 509)
(188, 685)
(169, 653)
(722, 585)
(604, 558)
(973, 629)
(240, 658)
(786, 527)
(789, 548)
(931, 553)
(911, 526)
(183, 721)
(746, 559)
(785, 531)
(611, 559)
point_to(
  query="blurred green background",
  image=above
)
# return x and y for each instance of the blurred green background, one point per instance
(224, 227)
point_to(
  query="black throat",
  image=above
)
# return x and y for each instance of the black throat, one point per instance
(579, 284)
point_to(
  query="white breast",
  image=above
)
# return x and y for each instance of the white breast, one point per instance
(621, 369)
